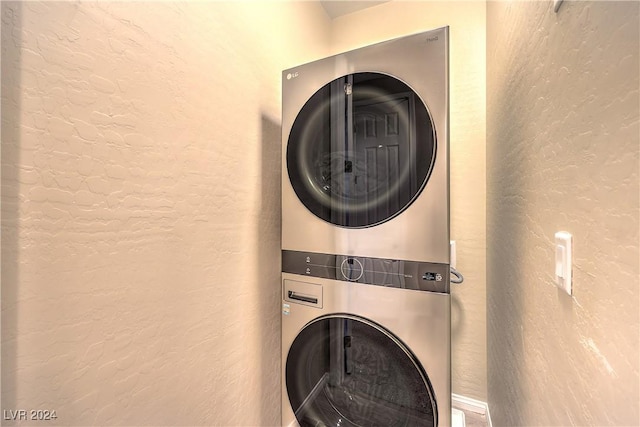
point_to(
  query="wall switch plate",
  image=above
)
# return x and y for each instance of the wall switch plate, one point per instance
(564, 266)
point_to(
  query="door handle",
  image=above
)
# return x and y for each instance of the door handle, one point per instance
(293, 295)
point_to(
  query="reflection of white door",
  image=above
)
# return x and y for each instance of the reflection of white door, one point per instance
(384, 146)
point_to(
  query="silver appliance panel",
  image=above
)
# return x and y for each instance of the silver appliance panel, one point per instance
(420, 320)
(421, 231)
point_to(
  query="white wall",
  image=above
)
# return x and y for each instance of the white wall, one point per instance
(563, 148)
(467, 148)
(140, 208)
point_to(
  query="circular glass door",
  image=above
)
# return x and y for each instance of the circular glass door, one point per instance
(345, 371)
(361, 150)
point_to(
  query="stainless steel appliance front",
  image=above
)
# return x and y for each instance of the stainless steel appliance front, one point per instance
(365, 152)
(356, 354)
(365, 237)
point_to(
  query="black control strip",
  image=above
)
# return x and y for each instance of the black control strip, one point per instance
(422, 276)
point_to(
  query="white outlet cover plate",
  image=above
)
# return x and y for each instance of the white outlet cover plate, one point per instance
(563, 264)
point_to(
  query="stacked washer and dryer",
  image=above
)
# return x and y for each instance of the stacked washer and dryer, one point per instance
(366, 324)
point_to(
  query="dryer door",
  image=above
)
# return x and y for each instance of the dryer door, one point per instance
(361, 150)
(344, 370)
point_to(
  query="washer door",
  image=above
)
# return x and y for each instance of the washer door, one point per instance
(361, 150)
(344, 370)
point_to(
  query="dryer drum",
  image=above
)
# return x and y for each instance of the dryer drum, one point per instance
(361, 150)
(344, 370)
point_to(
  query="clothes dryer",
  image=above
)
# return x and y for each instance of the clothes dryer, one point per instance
(365, 152)
(359, 353)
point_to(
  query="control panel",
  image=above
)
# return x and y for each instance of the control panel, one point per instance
(405, 274)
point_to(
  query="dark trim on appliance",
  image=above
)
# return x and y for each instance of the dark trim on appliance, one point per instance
(404, 274)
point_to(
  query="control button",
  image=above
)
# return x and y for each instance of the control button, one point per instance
(429, 276)
(351, 269)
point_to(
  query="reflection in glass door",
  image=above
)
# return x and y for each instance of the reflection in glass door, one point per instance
(361, 150)
(348, 371)
(381, 128)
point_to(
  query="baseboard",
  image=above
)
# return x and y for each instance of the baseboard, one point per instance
(472, 405)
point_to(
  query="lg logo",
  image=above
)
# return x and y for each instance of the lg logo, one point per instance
(292, 75)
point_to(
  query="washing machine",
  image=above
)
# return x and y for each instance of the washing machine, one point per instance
(365, 237)
(369, 349)
(365, 151)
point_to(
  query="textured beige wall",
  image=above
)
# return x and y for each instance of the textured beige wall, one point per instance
(467, 148)
(141, 209)
(562, 154)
